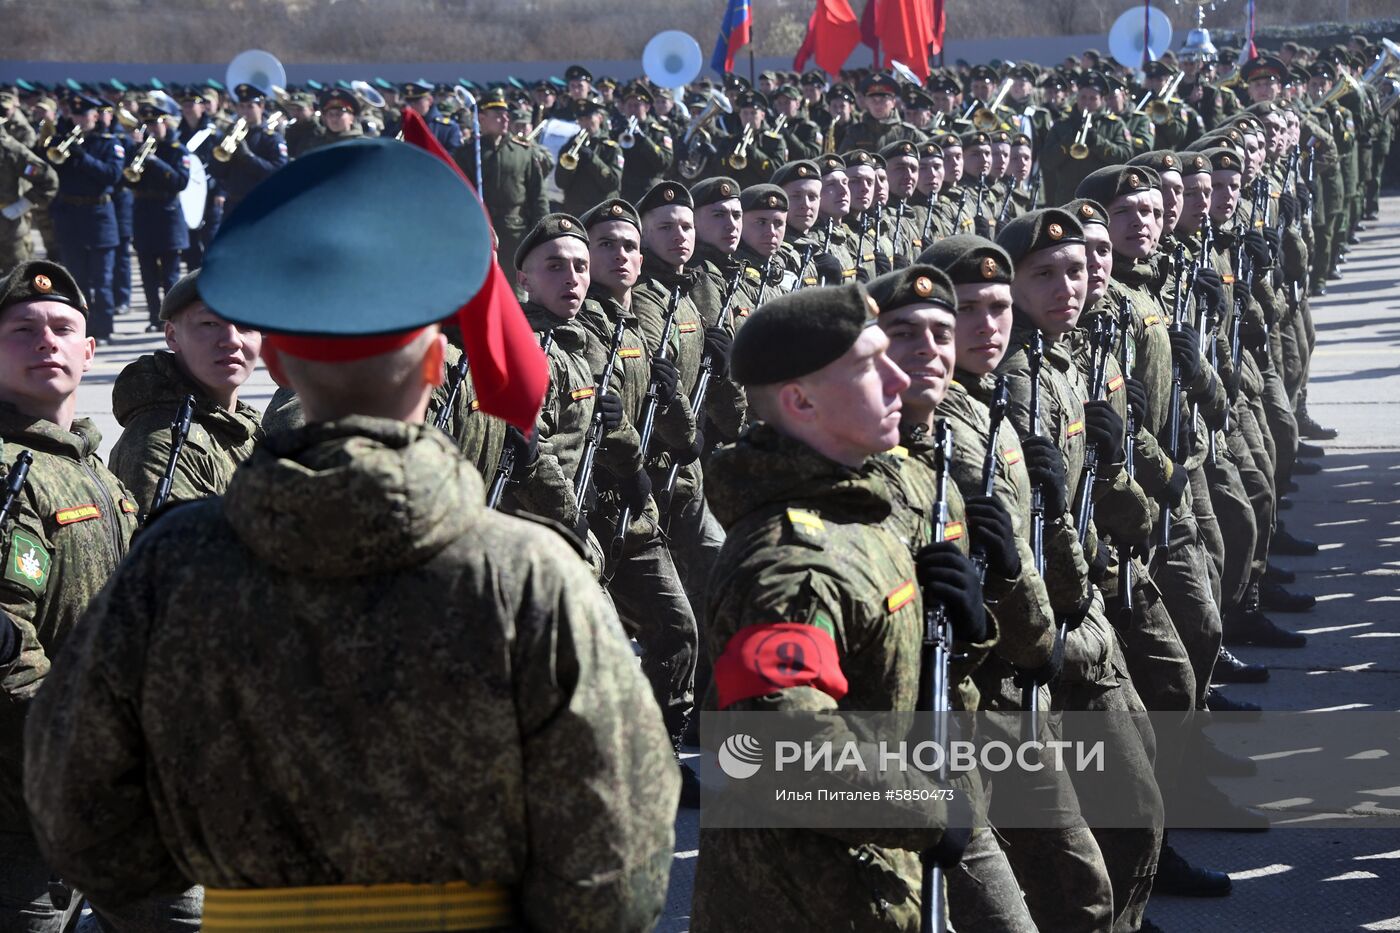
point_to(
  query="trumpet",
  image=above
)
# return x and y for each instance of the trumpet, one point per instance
(59, 154)
(985, 118)
(278, 121)
(1080, 148)
(230, 143)
(778, 125)
(628, 137)
(739, 159)
(133, 172)
(568, 159)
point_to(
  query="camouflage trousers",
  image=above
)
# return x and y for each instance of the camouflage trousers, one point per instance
(13, 251)
(1282, 425)
(1236, 518)
(983, 894)
(1181, 575)
(696, 538)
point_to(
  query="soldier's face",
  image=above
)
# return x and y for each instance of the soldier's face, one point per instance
(86, 119)
(636, 107)
(193, 111)
(850, 409)
(1253, 155)
(1098, 257)
(1195, 201)
(556, 276)
(882, 187)
(1021, 88)
(787, 106)
(579, 88)
(804, 204)
(1130, 225)
(1089, 100)
(615, 255)
(879, 106)
(982, 89)
(930, 174)
(494, 122)
(862, 183)
(1317, 87)
(338, 119)
(763, 231)
(218, 355)
(977, 159)
(250, 110)
(983, 326)
(1263, 88)
(751, 116)
(1018, 163)
(903, 175)
(44, 351)
(836, 195)
(1224, 195)
(952, 163)
(840, 108)
(1050, 287)
(812, 93)
(669, 234)
(1001, 154)
(664, 106)
(1276, 135)
(944, 102)
(717, 225)
(1172, 189)
(922, 344)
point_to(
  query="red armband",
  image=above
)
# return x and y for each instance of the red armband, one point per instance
(763, 659)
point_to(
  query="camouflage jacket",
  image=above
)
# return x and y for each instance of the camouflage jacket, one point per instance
(726, 406)
(651, 299)
(349, 607)
(146, 398)
(68, 533)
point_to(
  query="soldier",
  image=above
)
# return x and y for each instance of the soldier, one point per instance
(340, 120)
(597, 176)
(880, 124)
(902, 173)
(579, 89)
(771, 267)
(802, 137)
(1107, 141)
(122, 205)
(253, 157)
(649, 151)
(195, 121)
(1183, 125)
(383, 562)
(808, 500)
(70, 529)
(418, 95)
(1031, 119)
(752, 154)
(976, 180)
(159, 231)
(303, 125)
(26, 182)
(208, 358)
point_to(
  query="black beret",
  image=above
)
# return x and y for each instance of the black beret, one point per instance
(763, 198)
(1020, 139)
(1112, 182)
(859, 157)
(664, 194)
(1264, 108)
(714, 190)
(1223, 160)
(900, 149)
(930, 150)
(1001, 136)
(1194, 163)
(1088, 211)
(801, 170)
(1159, 160)
(1044, 229)
(182, 294)
(41, 280)
(968, 259)
(610, 210)
(798, 333)
(917, 284)
(550, 227)
(831, 163)
(948, 141)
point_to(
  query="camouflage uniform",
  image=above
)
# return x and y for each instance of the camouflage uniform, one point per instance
(146, 398)
(23, 174)
(418, 644)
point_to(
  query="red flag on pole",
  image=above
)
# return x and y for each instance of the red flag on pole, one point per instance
(905, 31)
(869, 34)
(508, 368)
(832, 33)
(940, 27)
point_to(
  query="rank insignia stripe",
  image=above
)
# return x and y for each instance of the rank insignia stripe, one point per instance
(1075, 427)
(900, 596)
(804, 519)
(1115, 383)
(1011, 455)
(1151, 319)
(689, 327)
(128, 506)
(476, 405)
(629, 353)
(952, 531)
(579, 395)
(77, 513)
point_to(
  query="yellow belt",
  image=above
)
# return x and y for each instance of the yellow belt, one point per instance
(375, 908)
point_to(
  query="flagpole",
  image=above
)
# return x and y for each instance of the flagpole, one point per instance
(753, 82)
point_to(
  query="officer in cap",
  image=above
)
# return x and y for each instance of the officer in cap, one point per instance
(597, 176)
(159, 230)
(1107, 141)
(251, 158)
(648, 151)
(418, 95)
(880, 124)
(340, 120)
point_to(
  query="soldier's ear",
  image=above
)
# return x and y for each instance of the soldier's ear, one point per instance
(274, 365)
(433, 361)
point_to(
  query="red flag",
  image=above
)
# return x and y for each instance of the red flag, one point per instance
(905, 31)
(508, 368)
(940, 27)
(832, 34)
(869, 34)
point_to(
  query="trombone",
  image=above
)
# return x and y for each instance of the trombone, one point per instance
(739, 159)
(1080, 148)
(568, 159)
(133, 172)
(1158, 107)
(985, 118)
(230, 143)
(59, 154)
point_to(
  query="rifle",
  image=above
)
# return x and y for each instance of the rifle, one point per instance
(14, 485)
(962, 205)
(1174, 406)
(454, 388)
(1125, 558)
(1098, 372)
(650, 403)
(1006, 205)
(506, 466)
(594, 438)
(933, 674)
(981, 193)
(898, 225)
(989, 462)
(179, 430)
(928, 219)
(1035, 187)
(1030, 694)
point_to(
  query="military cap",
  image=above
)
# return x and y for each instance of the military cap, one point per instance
(900, 149)
(1094, 79)
(714, 190)
(841, 92)
(152, 107)
(638, 90)
(1157, 70)
(945, 85)
(831, 163)
(1053, 82)
(1159, 160)
(1297, 74)
(415, 89)
(763, 198)
(948, 141)
(189, 94)
(1047, 228)
(211, 97)
(664, 194)
(543, 84)
(813, 78)
(982, 73)
(335, 97)
(246, 93)
(590, 105)
(968, 259)
(799, 333)
(1194, 163)
(494, 99)
(800, 170)
(577, 73)
(319, 227)
(1088, 211)
(1223, 160)
(736, 82)
(48, 103)
(1025, 72)
(1322, 69)
(1112, 182)
(550, 227)
(24, 84)
(606, 82)
(917, 99)
(41, 280)
(316, 86)
(771, 76)
(975, 138)
(1001, 136)
(751, 99)
(916, 284)
(1265, 66)
(610, 210)
(880, 83)
(182, 294)
(79, 103)
(788, 91)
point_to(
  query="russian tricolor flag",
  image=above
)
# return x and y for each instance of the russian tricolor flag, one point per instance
(733, 33)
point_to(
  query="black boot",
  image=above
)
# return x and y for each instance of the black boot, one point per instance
(1274, 574)
(690, 781)
(1177, 877)
(1286, 544)
(1277, 599)
(1218, 702)
(1247, 625)
(1284, 503)
(1310, 429)
(1231, 670)
(1312, 451)
(1306, 467)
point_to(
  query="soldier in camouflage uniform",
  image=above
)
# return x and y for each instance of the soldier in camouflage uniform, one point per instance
(806, 230)
(904, 213)
(419, 640)
(880, 124)
(210, 359)
(70, 528)
(24, 177)
(816, 551)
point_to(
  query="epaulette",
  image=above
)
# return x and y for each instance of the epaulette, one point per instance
(445, 121)
(753, 274)
(1111, 117)
(610, 142)
(805, 527)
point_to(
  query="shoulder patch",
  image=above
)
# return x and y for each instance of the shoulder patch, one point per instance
(899, 597)
(128, 507)
(27, 563)
(579, 395)
(77, 513)
(806, 527)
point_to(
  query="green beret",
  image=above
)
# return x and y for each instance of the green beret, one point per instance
(968, 259)
(1159, 160)
(1112, 182)
(798, 333)
(714, 190)
(41, 280)
(1223, 160)
(948, 141)
(664, 194)
(1087, 212)
(930, 150)
(610, 210)
(763, 198)
(975, 138)
(1047, 228)
(899, 150)
(550, 227)
(182, 294)
(913, 285)
(831, 163)
(859, 157)
(1194, 163)
(801, 170)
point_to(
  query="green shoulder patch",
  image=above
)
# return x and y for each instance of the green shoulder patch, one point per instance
(27, 563)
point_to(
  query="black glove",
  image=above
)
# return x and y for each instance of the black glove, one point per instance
(1098, 567)
(992, 536)
(1275, 241)
(828, 269)
(1071, 619)
(953, 843)
(950, 580)
(664, 375)
(862, 274)
(1186, 354)
(882, 262)
(1171, 495)
(1046, 466)
(1288, 208)
(1258, 249)
(1041, 675)
(982, 226)
(1137, 400)
(692, 453)
(901, 261)
(717, 343)
(1241, 293)
(611, 407)
(524, 452)
(1104, 429)
(10, 639)
(1209, 283)
(635, 490)
(1232, 382)
(1254, 336)
(1304, 198)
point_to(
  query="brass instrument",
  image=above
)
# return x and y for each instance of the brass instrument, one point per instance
(47, 131)
(985, 118)
(1382, 76)
(628, 137)
(127, 121)
(227, 146)
(938, 119)
(829, 143)
(739, 159)
(133, 172)
(278, 122)
(568, 159)
(778, 125)
(1080, 148)
(1158, 107)
(59, 154)
(713, 106)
